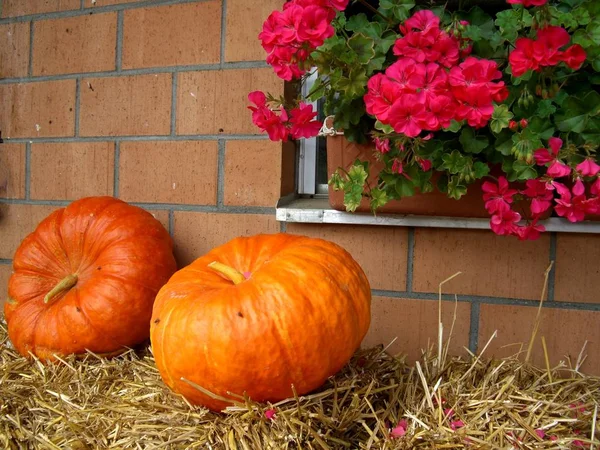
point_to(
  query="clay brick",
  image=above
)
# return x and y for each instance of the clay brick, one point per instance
(12, 8)
(252, 173)
(5, 273)
(565, 332)
(14, 50)
(61, 171)
(577, 270)
(196, 233)
(216, 101)
(161, 215)
(415, 325)
(16, 222)
(123, 106)
(169, 172)
(12, 171)
(75, 44)
(244, 22)
(491, 265)
(172, 35)
(47, 112)
(380, 251)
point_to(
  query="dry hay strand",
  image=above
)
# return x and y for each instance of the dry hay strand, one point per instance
(122, 403)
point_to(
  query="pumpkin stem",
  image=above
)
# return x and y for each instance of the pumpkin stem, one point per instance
(63, 285)
(229, 272)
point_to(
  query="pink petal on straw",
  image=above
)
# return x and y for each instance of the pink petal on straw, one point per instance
(270, 414)
(457, 424)
(541, 433)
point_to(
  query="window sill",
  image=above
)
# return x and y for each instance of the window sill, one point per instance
(317, 210)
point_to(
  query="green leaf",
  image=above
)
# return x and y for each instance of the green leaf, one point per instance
(399, 10)
(539, 128)
(471, 143)
(405, 187)
(500, 118)
(572, 116)
(363, 46)
(510, 21)
(504, 142)
(454, 126)
(545, 108)
(582, 38)
(592, 132)
(357, 174)
(378, 198)
(480, 169)
(455, 162)
(581, 16)
(359, 22)
(354, 85)
(455, 188)
(387, 129)
(524, 171)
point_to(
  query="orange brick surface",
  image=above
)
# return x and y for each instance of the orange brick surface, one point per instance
(244, 22)
(134, 105)
(565, 332)
(16, 222)
(169, 172)
(196, 233)
(12, 171)
(12, 8)
(100, 3)
(75, 44)
(69, 171)
(162, 216)
(380, 251)
(172, 35)
(491, 265)
(212, 102)
(414, 326)
(42, 109)
(14, 50)
(577, 268)
(5, 272)
(252, 173)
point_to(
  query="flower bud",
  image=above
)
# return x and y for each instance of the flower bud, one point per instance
(513, 125)
(523, 123)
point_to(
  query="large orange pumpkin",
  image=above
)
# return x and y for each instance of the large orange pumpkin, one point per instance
(258, 315)
(86, 278)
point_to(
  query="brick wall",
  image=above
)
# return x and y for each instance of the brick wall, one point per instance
(146, 100)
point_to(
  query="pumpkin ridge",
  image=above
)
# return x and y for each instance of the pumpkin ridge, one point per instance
(162, 346)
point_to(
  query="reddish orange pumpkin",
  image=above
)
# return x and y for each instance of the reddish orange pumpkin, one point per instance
(272, 311)
(86, 278)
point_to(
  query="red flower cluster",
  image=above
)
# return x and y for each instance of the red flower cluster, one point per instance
(571, 203)
(289, 36)
(545, 51)
(427, 87)
(527, 3)
(298, 124)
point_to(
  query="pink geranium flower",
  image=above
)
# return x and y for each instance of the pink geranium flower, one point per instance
(588, 168)
(302, 122)
(504, 222)
(498, 197)
(400, 429)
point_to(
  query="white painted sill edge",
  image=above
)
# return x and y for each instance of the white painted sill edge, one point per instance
(317, 210)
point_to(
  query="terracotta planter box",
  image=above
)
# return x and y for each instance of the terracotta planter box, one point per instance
(341, 153)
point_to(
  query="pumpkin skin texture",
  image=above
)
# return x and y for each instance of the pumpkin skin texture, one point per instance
(121, 256)
(297, 317)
